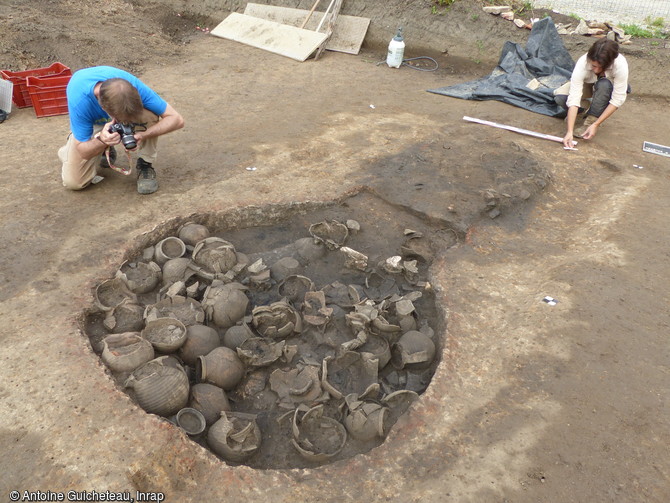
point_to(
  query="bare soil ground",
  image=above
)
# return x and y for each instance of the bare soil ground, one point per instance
(530, 402)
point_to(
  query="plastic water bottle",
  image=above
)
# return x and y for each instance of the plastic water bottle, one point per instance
(396, 50)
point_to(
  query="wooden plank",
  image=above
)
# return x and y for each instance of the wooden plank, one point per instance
(348, 33)
(278, 38)
(330, 26)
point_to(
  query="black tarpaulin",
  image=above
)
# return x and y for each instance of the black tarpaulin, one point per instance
(544, 64)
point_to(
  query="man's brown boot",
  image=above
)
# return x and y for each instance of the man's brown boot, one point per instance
(587, 123)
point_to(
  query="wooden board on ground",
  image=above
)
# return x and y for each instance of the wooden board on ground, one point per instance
(278, 38)
(348, 33)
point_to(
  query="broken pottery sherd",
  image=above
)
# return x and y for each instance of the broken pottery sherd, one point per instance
(350, 372)
(331, 233)
(221, 367)
(128, 316)
(200, 340)
(187, 310)
(294, 288)
(210, 400)
(192, 233)
(225, 304)
(277, 321)
(260, 352)
(398, 403)
(126, 352)
(110, 293)
(416, 246)
(169, 248)
(364, 420)
(317, 438)
(314, 309)
(191, 421)
(165, 334)
(235, 437)
(214, 254)
(160, 386)
(140, 277)
(354, 259)
(413, 348)
(297, 385)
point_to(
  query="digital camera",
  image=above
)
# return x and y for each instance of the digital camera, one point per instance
(127, 132)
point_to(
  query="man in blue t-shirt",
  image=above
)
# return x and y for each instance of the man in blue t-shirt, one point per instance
(99, 97)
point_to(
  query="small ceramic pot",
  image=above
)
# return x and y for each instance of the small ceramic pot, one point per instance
(260, 352)
(210, 400)
(295, 287)
(235, 336)
(140, 277)
(177, 269)
(331, 233)
(215, 255)
(126, 352)
(126, 317)
(111, 293)
(378, 347)
(200, 340)
(283, 268)
(191, 421)
(188, 311)
(235, 437)
(316, 437)
(168, 249)
(191, 233)
(160, 386)
(225, 305)
(365, 420)
(221, 367)
(278, 320)
(351, 372)
(166, 335)
(413, 349)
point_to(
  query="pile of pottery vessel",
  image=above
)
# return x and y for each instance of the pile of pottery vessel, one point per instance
(212, 338)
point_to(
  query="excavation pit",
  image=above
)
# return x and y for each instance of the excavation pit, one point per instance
(301, 332)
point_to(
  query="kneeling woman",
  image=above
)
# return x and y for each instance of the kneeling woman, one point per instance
(602, 75)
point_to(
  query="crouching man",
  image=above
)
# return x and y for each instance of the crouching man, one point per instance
(100, 100)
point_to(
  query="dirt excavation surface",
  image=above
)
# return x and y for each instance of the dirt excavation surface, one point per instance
(529, 401)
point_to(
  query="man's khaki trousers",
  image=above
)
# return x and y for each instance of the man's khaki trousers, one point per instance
(78, 172)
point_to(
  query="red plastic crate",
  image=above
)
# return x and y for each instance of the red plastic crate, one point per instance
(20, 95)
(48, 95)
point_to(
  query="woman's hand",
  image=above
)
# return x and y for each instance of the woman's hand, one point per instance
(568, 142)
(590, 132)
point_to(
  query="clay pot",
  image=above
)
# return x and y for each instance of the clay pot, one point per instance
(160, 385)
(412, 349)
(214, 254)
(126, 317)
(221, 367)
(350, 372)
(126, 352)
(140, 277)
(295, 287)
(297, 385)
(278, 320)
(200, 340)
(235, 437)
(191, 421)
(310, 250)
(187, 310)
(168, 249)
(283, 268)
(317, 438)
(210, 400)
(225, 305)
(191, 233)
(166, 335)
(314, 310)
(331, 233)
(378, 348)
(177, 269)
(235, 336)
(111, 293)
(365, 420)
(260, 352)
